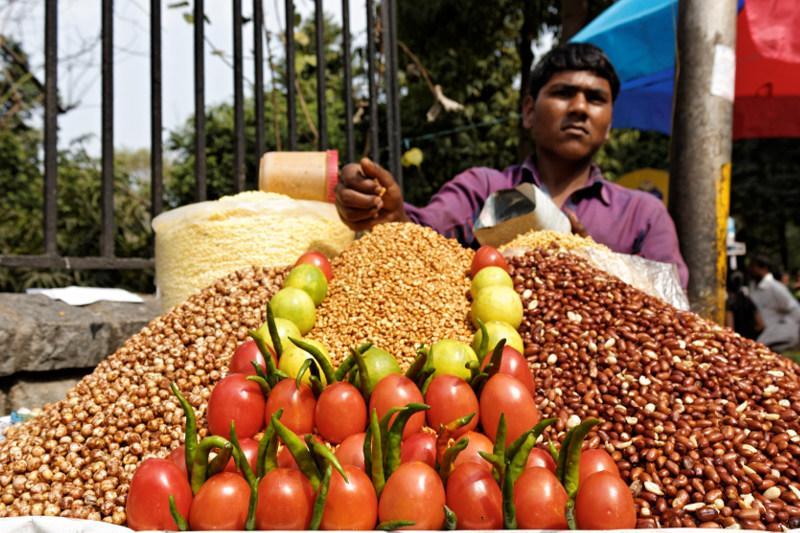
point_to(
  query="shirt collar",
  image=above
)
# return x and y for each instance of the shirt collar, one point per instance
(766, 280)
(594, 188)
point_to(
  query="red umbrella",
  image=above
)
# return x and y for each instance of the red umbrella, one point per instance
(767, 100)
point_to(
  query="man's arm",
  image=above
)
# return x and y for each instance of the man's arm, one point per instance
(661, 243)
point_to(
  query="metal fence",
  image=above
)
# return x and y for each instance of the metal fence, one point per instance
(386, 10)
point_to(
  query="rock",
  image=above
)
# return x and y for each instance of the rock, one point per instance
(33, 392)
(38, 334)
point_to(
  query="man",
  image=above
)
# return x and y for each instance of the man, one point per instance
(568, 112)
(779, 310)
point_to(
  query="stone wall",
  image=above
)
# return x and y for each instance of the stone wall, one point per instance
(46, 346)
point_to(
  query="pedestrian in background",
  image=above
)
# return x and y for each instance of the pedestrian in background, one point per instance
(779, 310)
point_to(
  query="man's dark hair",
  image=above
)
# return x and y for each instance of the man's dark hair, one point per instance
(573, 56)
(761, 261)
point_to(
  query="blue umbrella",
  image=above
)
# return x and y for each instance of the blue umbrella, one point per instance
(639, 38)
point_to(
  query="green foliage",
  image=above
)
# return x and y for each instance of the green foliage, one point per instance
(627, 150)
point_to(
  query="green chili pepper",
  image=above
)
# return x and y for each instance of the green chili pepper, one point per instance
(316, 386)
(450, 519)
(477, 381)
(386, 419)
(322, 361)
(199, 469)
(509, 510)
(190, 439)
(483, 349)
(268, 449)
(180, 521)
(553, 452)
(322, 497)
(367, 449)
(418, 365)
(450, 455)
(561, 462)
(572, 468)
(326, 454)
(244, 467)
(273, 333)
(301, 454)
(537, 430)
(219, 462)
(513, 471)
(498, 465)
(391, 525)
(395, 436)
(429, 375)
(363, 372)
(265, 388)
(500, 440)
(352, 376)
(259, 336)
(378, 478)
(345, 367)
(445, 431)
(260, 371)
(570, 514)
(305, 367)
(497, 357)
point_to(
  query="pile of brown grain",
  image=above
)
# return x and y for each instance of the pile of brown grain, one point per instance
(398, 286)
(77, 458)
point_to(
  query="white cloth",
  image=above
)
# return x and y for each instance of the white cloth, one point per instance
(780, 313)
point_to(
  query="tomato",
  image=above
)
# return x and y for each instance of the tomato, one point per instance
(308, 278)
(487, 256)
(351, 451)
(351, 505)
(250, 449)
(293, 358)
(285, 500)
(296, 305)
(450, 398)
(489, 276)
(478, 442)
(298, 406)
(246, 353)
(450, 357)
(148, 496)
(419, 447)
(514, 364)
(505, 394)
(497, 303)
(604, 501)
(541, 458)
(178, 456)
(340, 412)
(396, 390)
(413, 492)
(475, 497)
(286, 459)
(540, 500)
(318, 260)
(380, 364)
(221, 503)
(595, 460)
(238, 400)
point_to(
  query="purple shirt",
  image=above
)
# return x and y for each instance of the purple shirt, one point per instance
(625, 220)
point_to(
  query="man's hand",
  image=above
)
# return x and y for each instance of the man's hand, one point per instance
(367, 195)
(577, 227)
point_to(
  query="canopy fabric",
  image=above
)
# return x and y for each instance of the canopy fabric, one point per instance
(639, 38)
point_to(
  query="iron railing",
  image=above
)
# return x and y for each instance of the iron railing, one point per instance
(386, 11)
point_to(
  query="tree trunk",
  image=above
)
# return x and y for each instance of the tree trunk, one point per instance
(574, 15)
(528, 32)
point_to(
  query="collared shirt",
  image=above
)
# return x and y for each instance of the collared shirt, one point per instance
(625, 220)
(780, 312)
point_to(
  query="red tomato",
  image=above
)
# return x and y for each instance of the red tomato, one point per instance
(318, 260)
(478, 442)
(243, 356)
(604, 501)
(178, 456)
(414, 492)
(513, 364)
(340, 412)
(487, 256)
(285, 500)
(419, 447)
(148, 496)
(351, 451)
(298, 406)
(505, 394)
(238, 400)
(250, 449)
(540, 500)
(450, 398)
(396, 390)
(542, 459)
(351, 505)
(221, 503)
(475, 497)
(595, 460)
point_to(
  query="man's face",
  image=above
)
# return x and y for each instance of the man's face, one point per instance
(571, 115)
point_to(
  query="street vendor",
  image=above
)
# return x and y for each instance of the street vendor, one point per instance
(568, 112)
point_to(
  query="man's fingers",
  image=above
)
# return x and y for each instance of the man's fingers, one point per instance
(374, 170)
(352, 199)
(353, 177)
